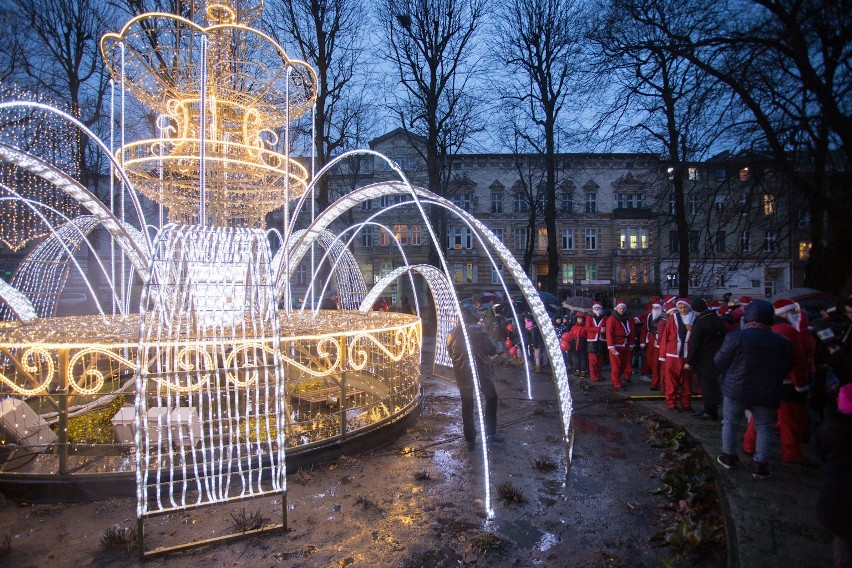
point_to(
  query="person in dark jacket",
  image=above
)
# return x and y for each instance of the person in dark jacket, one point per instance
(755, 361)
(833, 443)
(482, 348)
(708, 333)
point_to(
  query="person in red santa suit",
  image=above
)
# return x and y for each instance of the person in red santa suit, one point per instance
(792, 414)
(596, 340)
(668, 310)
(620, 340)
(648, 340)
(674, 348)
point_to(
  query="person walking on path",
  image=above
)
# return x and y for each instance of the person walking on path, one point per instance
(648, 340)
(482, 349)
(754, 361)
(596, 340)
(833, 442)
(620, 340)
(706, 338)
(534, 340)
(674, 349)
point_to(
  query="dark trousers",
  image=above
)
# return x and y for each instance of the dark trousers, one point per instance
(468, 406)
(711, 392)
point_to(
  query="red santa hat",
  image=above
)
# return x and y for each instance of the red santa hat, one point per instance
(597, 305)
(722, 310)
(669, 302)
(713, 305)
(784, 305)
(683, 301)
(744, 300)
(620, 303)
(656, 300)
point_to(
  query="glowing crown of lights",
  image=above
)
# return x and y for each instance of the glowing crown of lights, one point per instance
(221, 89)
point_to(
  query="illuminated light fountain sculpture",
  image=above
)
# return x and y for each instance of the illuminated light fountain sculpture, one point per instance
(224, 385)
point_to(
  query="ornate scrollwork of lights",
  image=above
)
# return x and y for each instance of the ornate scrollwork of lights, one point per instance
(359, 355)
(87, 359)
(218, 126)
(186, 358)
(327, 348)
(28, 363)
(240, 357)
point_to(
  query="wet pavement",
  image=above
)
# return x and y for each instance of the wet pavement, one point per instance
(419, 500)
(770, 522)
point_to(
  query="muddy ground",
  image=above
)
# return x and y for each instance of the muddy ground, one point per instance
(419, 501)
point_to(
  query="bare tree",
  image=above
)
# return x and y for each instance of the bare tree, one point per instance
(329, 34)
(539, 41)
(430, 43)
(788, 64)
(659, 100)
(58, 57)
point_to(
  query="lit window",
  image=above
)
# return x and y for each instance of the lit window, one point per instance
(384, 238)
(634, 274)
(744, 174)
(542, 240)
(567, 239)
(470, 273)
(568, 273)
(768, 204)
(401, 234)
(805, 250)
(592, 271)
(591, 239)
(633, 238)
(692, 174)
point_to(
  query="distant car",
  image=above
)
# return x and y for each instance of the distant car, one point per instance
(382, 305)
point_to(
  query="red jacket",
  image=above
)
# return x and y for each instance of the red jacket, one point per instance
(575, 334)
(674, 338)
(596, 329)
(650, 329)
(798, 376)
(620, 334)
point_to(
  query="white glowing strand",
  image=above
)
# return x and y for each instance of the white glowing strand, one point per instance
(17, 302)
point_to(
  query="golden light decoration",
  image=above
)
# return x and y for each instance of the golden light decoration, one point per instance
(225, 93)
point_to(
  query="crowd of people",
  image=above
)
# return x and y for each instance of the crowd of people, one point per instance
(771, 366)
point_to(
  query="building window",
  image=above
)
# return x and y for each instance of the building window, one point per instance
(770, 243)
(542, 240)
(672, 205)
(805, 220)
(460, 238)
(367, 237)
(302, 274)
(693, 205)
(674, 243)
(745, 241)
(496, 201)
(694, 241)
(498, 232)
(497, 274)
(591, 239)
(414, 234)
(591, 202)
(720, 204)
(720, 279)
(592, 271)
(744, 174)
(520, 238)
(671, 280)
(567, 239)
(768, 204)
(692, 174)
(634, 273)
(458, 273)
(470, 273)
(633, 238)
(464, 201)
(520, 203)
(367, 205)
(401, 234)
(567, 203)
(720, 241)
(386, 267)
(805, 250)
(568, 273)
(384, 238)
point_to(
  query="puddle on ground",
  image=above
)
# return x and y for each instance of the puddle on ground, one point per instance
(522, 532)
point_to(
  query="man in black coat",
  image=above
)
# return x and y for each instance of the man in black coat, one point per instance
(708, 333)
(482, 349)
(755, 361)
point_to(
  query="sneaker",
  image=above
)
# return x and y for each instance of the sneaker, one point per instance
(496, 439)
(761, 470)
(728, 461)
